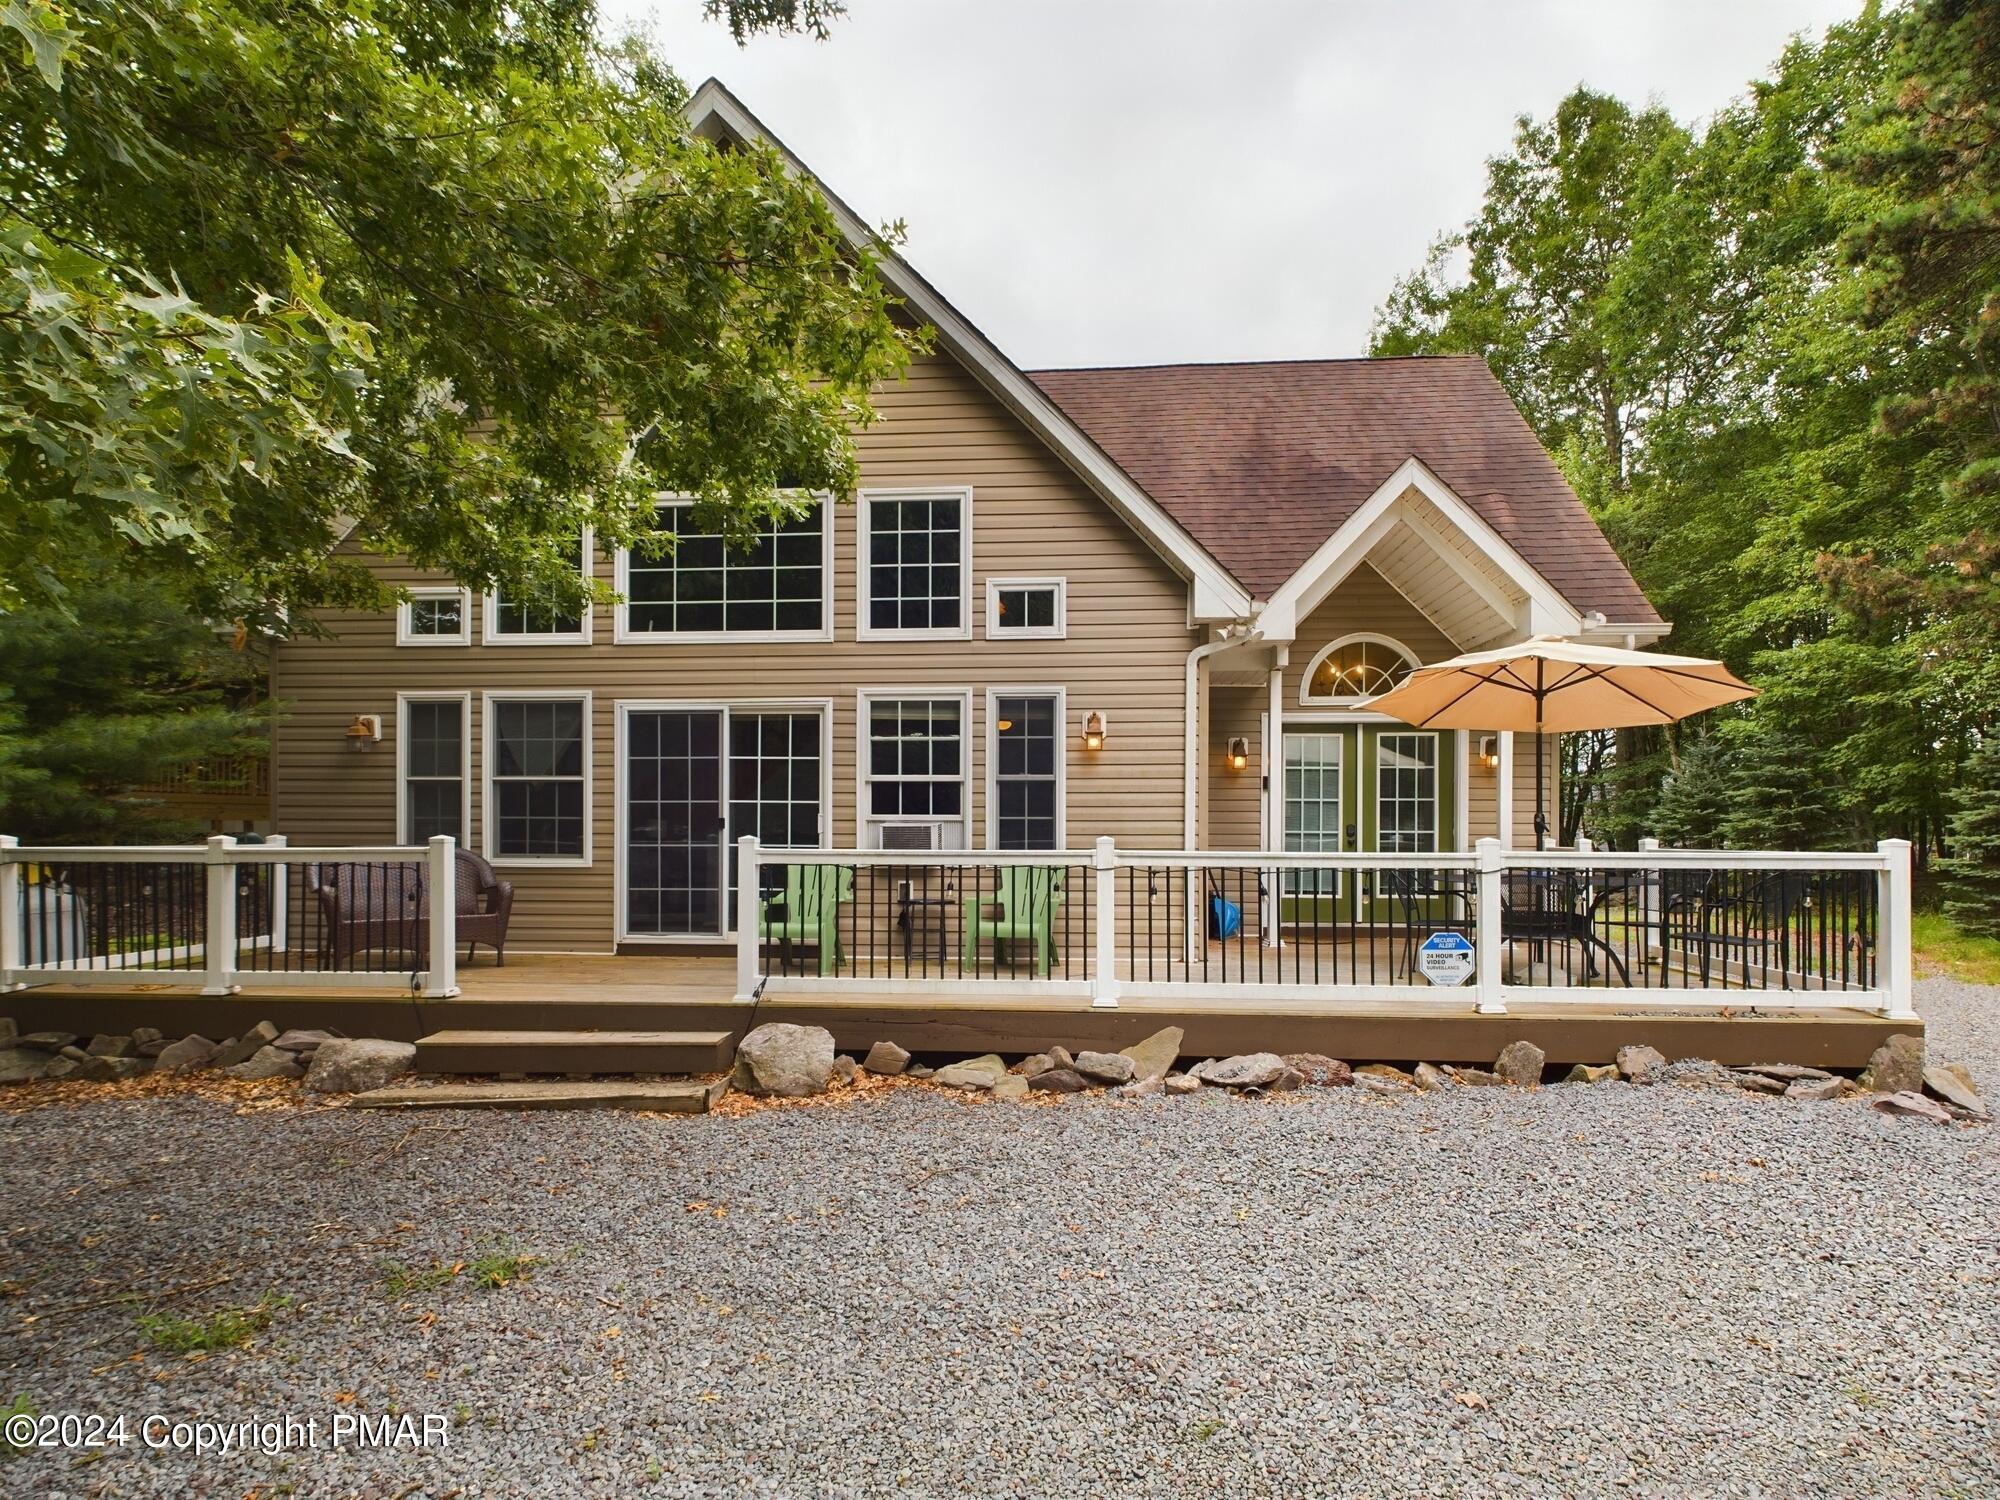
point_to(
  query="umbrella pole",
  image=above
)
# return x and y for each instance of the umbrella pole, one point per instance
(1541, 781)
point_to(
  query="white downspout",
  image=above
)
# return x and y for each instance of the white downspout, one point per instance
(1192, 717)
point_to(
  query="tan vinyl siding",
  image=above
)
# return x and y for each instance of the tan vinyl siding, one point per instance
(1363, 601)
(1124, 656)
(1236, 798)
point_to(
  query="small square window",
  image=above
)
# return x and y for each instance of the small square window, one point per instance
(1026, 608)
(435, 617)
(534, 622)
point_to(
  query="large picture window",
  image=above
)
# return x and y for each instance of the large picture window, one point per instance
(915, 562)
(538, 774)
(914, 763)
(1027, 747)
(515, 621)
(432, 744)
(703, 588)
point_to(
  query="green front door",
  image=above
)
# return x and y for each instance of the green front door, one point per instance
(1362, 787)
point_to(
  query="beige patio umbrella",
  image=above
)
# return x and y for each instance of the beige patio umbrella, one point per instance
(1552, 686)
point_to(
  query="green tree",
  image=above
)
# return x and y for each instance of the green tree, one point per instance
(124, 689)
(1971, 875)
(444, 278)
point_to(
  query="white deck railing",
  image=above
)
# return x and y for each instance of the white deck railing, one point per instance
(222, 914)
(1693, 929)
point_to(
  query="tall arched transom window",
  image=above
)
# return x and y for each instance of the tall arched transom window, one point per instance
(1350, 671)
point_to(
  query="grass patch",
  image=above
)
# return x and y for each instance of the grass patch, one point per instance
(223, 1329)
(1943, 947)
(491, 1268)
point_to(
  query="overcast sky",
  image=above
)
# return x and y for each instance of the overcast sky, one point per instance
(1136, 181)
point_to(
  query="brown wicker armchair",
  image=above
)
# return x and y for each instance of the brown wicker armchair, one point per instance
(368, 907)
(484, 904)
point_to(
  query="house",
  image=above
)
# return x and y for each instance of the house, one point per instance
(1144, 603)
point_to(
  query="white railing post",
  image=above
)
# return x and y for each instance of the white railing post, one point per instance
(1104, 975)
(1898, 975)
(441, 881)
(748, 907)
(281, 899)
(1650, 910)
(12, 915)
(218, 939)
(1486, 953)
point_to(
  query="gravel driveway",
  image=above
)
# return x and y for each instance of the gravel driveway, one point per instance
(1589, 1290)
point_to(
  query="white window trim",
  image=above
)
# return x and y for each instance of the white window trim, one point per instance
(863, 631)
(866, 822)
(491, 635)
(1349, 700)
(622, 633)
(405, 636)
(1374, 789)
(992, 769)
(464, 702)
(622, 772)
(995, 631)
(487, 822)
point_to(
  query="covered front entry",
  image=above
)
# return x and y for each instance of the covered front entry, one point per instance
(692, 780)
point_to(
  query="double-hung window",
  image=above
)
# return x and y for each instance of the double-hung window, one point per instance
(913, 766)
(916, 563)
(433, 757)
(1026, 802)
(538, 777)
(527, 621)
(701, 588)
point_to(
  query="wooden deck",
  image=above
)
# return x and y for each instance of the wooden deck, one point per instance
(635, 992)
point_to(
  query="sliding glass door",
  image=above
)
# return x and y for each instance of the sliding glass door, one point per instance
(696, 780)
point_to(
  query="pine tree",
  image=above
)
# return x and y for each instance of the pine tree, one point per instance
(1693, 799)
(1971, 876)
(1778, 796)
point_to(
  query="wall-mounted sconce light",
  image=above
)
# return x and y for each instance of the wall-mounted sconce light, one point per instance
(1093, 730)
(364, 732)
(1239, 753)
(1489, 751)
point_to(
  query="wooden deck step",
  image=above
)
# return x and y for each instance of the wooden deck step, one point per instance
(573, 1052)
(670, 1096)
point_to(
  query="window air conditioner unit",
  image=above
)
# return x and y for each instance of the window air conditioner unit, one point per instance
(908, 836)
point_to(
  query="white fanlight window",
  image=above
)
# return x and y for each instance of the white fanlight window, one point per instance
(1348, 672)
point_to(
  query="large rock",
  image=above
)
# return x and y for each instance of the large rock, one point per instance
(1181, 1083)
(1953, 1084)
(1034, 1064)
(1897, 1066)
(1321, 1071)
(1058, 1081)
(342, 1066)
(1061, 1058)
(1641, 1064)
(1153, 1057)
(1139, 1088)
(109, 1046)
(24, 1064)
(845, 1071)
(1759, 1083)
(1784, 1072)
(973, 1073)
(1906, 1103)
(777, 1059)
(48, 1041)
(1815, 1088)
(268, 1062)
(1479, 1078)
(1107, 1067)
(246, 1046)
(184, 1056)
(1521, 1064)
(886, 1059)
(1253, 1070)
(1429, 1077)
(1289, 1080)
(1010, 1086)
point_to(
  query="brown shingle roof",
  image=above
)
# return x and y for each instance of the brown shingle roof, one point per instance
(1262, 462)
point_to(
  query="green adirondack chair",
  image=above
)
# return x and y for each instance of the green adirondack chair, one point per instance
(808, 910)
(1027, 897)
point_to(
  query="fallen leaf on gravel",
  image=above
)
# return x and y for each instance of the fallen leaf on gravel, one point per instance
(1470, 1399)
